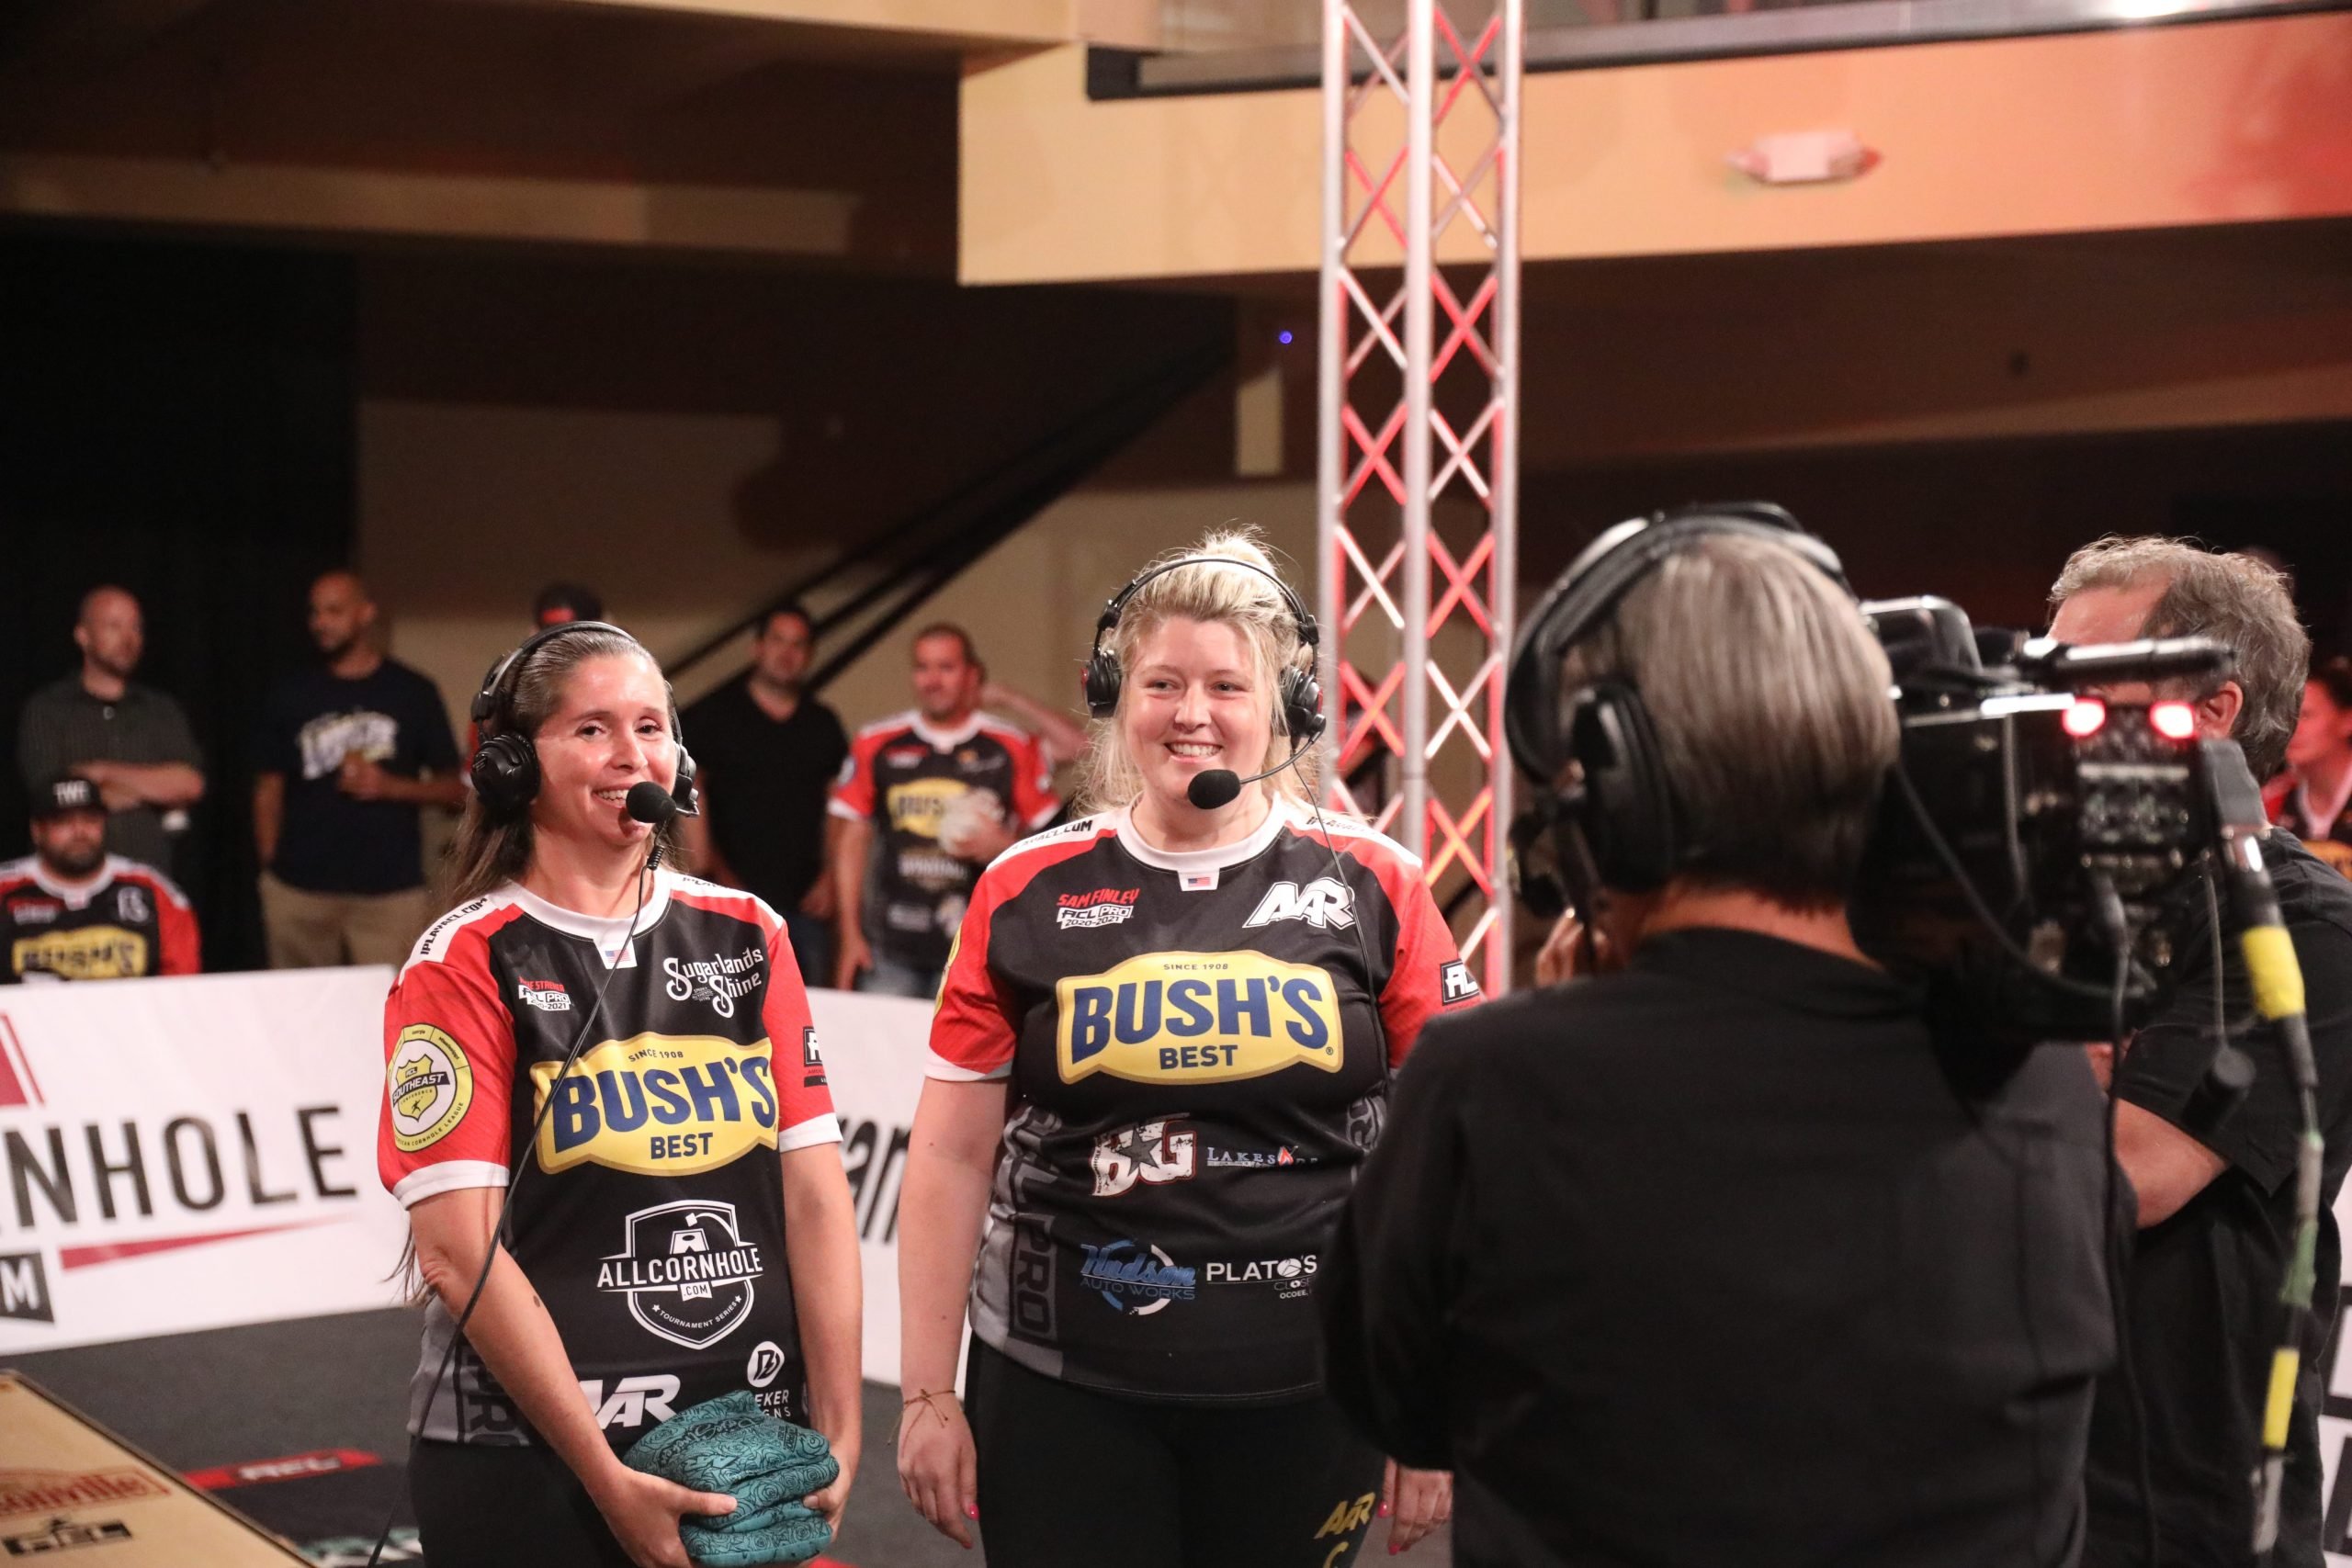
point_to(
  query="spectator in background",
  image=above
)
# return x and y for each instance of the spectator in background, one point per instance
(349, 753)
(131, 740)
(773, 752)
(945, 789)
(70, 911)
(2318, 807)
(560, 603)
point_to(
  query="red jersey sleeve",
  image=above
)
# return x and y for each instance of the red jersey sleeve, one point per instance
(804, 1102)
(853, 794)
(1430, 974)
(448, 1073)
(175, 922)
(1034, 803)
(972, 1032)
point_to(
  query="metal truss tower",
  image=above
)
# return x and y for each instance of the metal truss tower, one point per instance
(1417, 487)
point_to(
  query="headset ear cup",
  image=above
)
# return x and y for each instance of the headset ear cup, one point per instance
(1626, 810)
(1103, 680)
(506, 772)
(1302, 707)
(681, 787)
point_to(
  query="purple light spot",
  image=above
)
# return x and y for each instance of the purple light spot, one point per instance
(1283, 338)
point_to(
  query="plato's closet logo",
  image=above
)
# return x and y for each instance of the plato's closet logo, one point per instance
(1197, 1018)
(657, 1105)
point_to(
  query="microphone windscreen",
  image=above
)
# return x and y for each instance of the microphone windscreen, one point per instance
(1218, 787)
(649, 802)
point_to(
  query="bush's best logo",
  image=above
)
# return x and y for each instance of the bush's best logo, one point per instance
(718, 979)
(917, 806)
(430, 1084)
(688, 1272)
(657, 1105)
(1141, 1283)
(1197, 1018)
(82, 952)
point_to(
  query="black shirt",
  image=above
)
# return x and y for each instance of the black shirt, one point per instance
(62, 724)
(2204, 1285)
(330, 842)
(772, 776)
(1707, 1262)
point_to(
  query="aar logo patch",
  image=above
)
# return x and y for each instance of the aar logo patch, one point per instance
(430, 1084)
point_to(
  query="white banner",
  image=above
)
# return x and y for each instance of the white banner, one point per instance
(874, 1053)
(2335, 1413)
(183, 1154)
(187, 1154)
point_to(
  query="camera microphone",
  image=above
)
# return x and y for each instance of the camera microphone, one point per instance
(2147, 658)
(648, 802)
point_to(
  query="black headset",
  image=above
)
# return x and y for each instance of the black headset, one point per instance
(1299, 695)
(1619, 821)
(506, 762)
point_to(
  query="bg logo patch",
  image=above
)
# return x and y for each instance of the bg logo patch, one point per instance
(657, 1105)
(431, 1085)
(1197, 1018)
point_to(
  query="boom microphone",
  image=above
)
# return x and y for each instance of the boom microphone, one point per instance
(1221, 786)
(649, 802)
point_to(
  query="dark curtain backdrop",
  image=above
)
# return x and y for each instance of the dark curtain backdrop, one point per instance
(181, 420)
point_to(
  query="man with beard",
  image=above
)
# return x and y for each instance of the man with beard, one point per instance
(129, 741)
(774, 749)
(348, 754)
(70, 911)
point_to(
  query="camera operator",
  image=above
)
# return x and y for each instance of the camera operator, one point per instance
(1703, 1258)
(2216, 1205)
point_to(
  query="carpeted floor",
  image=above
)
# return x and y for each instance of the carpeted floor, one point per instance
(337, 1387)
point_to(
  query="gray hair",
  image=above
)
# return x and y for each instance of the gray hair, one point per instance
(1238, 598)
(1773, 708)
(2239, 602)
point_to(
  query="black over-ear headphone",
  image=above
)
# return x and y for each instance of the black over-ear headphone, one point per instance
(1299, 694)
(1620, 819)
(506, 763)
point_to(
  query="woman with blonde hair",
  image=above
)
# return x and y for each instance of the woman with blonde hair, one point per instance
(681, 1227)
(1163, 1047)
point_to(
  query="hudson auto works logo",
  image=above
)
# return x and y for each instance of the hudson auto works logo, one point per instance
(431, 1086)
(686, 1271)
(1137, 1282)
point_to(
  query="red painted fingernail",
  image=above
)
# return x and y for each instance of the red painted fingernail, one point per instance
(1384, 1510)
(971, 1511)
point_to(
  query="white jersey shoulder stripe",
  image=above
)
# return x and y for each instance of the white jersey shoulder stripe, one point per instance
(1067, 833)
(903, 720)
(440, 938)
(119, 867)
(682, 883)
(1339, 828)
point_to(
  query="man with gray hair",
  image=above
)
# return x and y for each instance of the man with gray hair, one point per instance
(2216, 1206)
(1703, 1258)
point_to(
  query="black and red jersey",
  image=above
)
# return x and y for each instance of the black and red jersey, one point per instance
(904, 776)
(651, 1220)
(127, 920)
(1199, 1060)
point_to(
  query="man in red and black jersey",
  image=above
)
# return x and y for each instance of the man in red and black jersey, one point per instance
(924, 800)
(652, 1225)
(1198, 1063)
(70, 911)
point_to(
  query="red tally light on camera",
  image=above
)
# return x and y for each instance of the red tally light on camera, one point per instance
(2083, 717)
(2174, 721)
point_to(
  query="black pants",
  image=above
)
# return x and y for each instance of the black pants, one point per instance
(482, 1508)
(1071, 1477)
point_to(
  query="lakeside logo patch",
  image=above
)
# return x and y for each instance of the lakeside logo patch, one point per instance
(430, 1083)
(917, 806)
(82, 952)
(657, 1105)
(1197, 1018)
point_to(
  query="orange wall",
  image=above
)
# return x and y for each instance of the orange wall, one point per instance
(2141, 128)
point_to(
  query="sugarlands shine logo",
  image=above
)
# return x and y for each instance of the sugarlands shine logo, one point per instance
(1197, 1018)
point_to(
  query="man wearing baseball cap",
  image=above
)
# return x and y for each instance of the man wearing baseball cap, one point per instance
(70, 911)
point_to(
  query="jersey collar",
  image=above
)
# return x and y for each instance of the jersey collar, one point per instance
(608, 936)
(77, 895)
(1198, 863)
(940, 739)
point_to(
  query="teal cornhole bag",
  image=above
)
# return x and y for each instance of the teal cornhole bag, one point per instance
(730, 1445)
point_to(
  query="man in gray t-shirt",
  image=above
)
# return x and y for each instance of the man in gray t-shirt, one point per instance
(131, 741)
